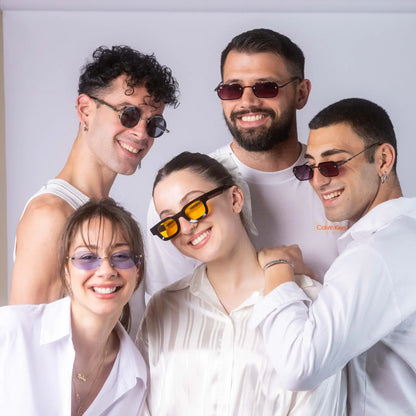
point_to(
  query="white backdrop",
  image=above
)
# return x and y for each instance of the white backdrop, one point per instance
(365, 55)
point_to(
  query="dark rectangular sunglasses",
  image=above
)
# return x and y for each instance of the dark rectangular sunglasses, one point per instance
(327, 169)
(261, 89)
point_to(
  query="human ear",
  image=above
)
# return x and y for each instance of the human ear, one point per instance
(303, 91)
(139, 274)
(68, 282)
(238, 199)
(384, 158)
(84, 106)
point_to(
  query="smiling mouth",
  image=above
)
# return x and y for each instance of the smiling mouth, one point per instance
(131, 149)
(200, 238)
(332, 195)
(255, 117)
(105, 290)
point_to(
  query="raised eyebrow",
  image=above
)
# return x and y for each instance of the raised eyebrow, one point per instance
(239, 81)
(95, 248)
(118, 245)
(125, 105)
(86, 248)
(327, 153)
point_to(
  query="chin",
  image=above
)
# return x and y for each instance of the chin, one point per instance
(334, 216)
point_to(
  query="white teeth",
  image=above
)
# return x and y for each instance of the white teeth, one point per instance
(252, 118)
(104, 290)
(129, 148)
(197, 240)
(331, 195)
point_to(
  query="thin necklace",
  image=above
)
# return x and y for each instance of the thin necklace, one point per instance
(79, 376)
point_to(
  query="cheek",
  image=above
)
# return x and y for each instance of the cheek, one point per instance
(77, 277)
(227, 107)
(176, 241)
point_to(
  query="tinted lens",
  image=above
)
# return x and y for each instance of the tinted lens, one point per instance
(168, 228)
(130, 117)
(156, 126)
(328, 169)
(265, 89)
(125, 259)
(86, 260)
(303, 172)
(196, 210)
(229, 91)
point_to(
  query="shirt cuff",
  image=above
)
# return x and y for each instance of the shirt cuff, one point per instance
(277, 300)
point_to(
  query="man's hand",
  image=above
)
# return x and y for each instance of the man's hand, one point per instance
(282, 272)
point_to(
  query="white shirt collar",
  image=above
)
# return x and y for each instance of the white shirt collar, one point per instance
(376, 219)
(56, 321)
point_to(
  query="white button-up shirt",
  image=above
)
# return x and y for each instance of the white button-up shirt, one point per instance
(366, 312)
(36, 360)
(205, 362)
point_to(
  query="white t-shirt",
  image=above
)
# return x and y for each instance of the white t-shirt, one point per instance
(285, 211)
(36, 360)
(206, 362)
(365, 315)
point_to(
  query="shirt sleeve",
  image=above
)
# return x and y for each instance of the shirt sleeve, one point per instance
(329, 398)
(164, 263)
(308, 342)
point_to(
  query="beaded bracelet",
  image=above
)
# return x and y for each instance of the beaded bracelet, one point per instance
(278, 261)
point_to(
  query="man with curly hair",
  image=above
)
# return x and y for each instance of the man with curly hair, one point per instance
(122, 95)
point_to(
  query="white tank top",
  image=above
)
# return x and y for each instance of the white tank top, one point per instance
(63, 190)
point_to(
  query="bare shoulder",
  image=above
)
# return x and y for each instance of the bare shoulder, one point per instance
(48, 204)
(35, 277)
(44, 209)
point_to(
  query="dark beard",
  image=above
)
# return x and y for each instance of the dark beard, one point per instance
(261, 139)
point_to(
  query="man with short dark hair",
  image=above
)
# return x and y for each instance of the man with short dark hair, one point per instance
(262, 88)
(365, 315)
(122, 95)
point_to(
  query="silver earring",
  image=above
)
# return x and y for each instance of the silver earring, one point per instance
(384, 177)
(139, 165)
(85, 128)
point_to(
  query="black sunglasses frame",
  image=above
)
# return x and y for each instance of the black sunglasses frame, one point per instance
(323, 166)
(240, 89)
(202, 198)
(159, 120)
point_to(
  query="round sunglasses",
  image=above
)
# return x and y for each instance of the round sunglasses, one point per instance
(193, 211)
(88, 260)
(261, 89)
(327, 169)
(131, 115)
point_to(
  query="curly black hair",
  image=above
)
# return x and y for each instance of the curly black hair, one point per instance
(140, 69)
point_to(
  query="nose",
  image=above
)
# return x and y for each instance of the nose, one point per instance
(248, 97)
(318, 181)
(105, 268)
(139, 130)
(186, 226)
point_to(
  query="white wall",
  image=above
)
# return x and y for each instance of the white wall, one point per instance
(364, 55)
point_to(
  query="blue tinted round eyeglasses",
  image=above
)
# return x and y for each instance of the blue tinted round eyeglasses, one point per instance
(131, 115)
(87, 260)
(327, 169)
